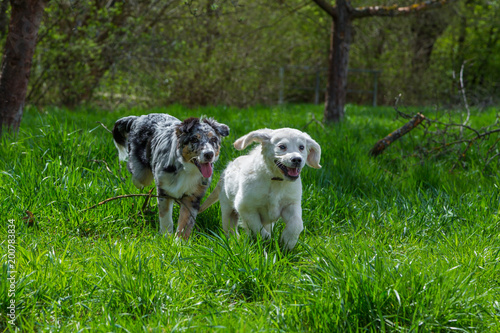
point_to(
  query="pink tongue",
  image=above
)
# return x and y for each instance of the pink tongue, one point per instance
(293, 172)
(206, 170)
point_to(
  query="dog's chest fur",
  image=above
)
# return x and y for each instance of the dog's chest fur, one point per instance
(250, 186)
(183, 182)
(280, 195)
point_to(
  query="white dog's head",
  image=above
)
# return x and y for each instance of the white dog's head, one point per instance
(285, 150)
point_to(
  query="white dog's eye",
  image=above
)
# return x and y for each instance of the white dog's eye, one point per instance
(282, 147)
(301, 147)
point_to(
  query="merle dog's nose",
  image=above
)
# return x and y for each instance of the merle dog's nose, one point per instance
(296, 160)
(209, 155)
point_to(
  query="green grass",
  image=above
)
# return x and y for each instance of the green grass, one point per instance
(390, 244)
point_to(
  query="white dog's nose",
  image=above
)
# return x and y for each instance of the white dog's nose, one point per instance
(296, 160)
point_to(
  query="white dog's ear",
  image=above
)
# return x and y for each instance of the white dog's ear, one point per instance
(313, 152)
(261, 136)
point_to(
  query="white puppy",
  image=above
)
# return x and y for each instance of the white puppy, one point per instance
(265, 185)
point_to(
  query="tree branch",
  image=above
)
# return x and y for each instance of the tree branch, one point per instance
(385, 142)
(129, 196)
(392, 11)
(438, 141)
(328, 8)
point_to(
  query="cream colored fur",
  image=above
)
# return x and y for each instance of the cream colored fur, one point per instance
(254, 189)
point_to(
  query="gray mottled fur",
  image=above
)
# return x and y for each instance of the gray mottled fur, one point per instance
(153, 146)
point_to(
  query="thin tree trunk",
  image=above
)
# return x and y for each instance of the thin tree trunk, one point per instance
(25, 20)
(342, 15)
(427, 27)
(338, 63)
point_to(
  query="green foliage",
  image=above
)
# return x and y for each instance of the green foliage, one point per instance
(79, 43)
(473, 41)
(149, 54)
(390, 244)
(217, 52)
(421, 55)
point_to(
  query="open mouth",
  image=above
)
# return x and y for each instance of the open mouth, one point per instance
(206, 169)
(292, 173)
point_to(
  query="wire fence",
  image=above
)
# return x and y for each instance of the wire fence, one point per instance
(299, 80)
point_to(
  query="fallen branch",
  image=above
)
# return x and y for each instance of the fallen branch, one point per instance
(470, 142)
(447, 138)
(381, 145)
(127, 196)
(149, 196)
(146, 202)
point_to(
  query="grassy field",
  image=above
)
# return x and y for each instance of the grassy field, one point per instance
(390, 244)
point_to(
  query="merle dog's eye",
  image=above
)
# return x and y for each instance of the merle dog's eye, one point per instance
(301, 147)
(195, 140)
(213, 140)
(282, 147)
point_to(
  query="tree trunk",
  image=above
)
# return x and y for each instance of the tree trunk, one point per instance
(343, 15)
(340, 44)
(426, 27)
(25, 20)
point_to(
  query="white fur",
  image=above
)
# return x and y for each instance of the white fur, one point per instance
(122, 151)
(249, 188)
(176, 186)
(180, 184)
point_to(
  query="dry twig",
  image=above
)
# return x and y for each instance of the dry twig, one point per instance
(314, 120)
(123, 197)
(447, 138)
(105, 163)
(107, 129)
(145, 204)
(149, 196)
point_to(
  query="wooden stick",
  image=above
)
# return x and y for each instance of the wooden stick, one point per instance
(129, 196)
(149, 196)
(107, 129)
(145, 205)
(381, 145)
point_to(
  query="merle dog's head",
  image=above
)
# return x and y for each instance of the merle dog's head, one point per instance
(199, 140)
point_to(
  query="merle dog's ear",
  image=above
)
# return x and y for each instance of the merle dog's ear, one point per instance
(220, 129)
(186, 126)
(261, 136)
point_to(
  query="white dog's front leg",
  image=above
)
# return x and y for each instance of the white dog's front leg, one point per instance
(252, 221)
(292, 216)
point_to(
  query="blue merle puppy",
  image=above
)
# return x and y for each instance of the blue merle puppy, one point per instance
(178, 156)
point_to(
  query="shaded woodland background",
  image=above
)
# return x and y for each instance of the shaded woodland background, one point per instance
(112, 54)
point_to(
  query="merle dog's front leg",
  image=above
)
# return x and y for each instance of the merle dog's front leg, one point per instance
(187, 215)
(165, 208)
